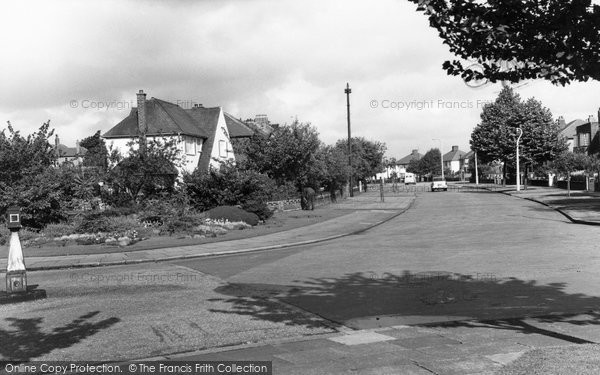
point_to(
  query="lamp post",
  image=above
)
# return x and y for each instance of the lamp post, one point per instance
(347, 91)
(520, 132)
(441, 155)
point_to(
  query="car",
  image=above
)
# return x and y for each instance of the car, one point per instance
(439, 184)
(409, 178)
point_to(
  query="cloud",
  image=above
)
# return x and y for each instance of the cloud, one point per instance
(283, 58)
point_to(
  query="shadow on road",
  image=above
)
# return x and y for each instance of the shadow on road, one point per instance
(27, 341)
(369, 300)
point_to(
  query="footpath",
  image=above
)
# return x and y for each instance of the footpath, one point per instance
(581, 207)
(365, 211)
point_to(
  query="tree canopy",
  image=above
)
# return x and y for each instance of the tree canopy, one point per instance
(512, 40)
(495, 137)
(367, 157)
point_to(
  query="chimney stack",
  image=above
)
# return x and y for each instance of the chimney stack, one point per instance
(561, 122)
(454, 148)
(77, 147)
(141, 108)
(591, 119)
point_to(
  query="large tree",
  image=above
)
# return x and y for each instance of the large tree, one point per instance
(512, 40)
(288, 154)
(431, 163)
(494, 139)
(367, 157)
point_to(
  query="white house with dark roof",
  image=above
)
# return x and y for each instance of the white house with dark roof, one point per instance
(203, 134)
(454, 159)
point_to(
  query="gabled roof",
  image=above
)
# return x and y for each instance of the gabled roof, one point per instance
(409, 157)
(468, 155)
(570, 129)
(207, 119)
(162, 118)
(454, 155)
(237, 129)
(66, 152)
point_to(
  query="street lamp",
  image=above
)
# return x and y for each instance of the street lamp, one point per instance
(441, 155)
(520, 132)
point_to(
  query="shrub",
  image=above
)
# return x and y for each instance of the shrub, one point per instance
(228, 186)
(106, 221)
(232, 213)
(259, 208)
(182, 223)
(58, 230)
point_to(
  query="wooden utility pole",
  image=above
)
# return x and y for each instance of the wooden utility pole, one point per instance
(350, 183)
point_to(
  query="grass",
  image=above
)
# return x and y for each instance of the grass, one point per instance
(280, 221)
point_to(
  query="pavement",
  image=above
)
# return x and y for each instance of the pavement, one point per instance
(365, 211)
(581, 207)
(455, 347)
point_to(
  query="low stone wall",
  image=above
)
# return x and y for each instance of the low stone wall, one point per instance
(293, 204)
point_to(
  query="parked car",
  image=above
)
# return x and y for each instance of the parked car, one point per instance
(439, 184)
(409, 178)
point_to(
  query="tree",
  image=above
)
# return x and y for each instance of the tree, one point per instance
(336, 169)
(97, 154)
(289, 153)
(494, 139)
(145, 172)
(431, 162)
(568, 162)
(513, 40)
(367, 157)
(28, 177)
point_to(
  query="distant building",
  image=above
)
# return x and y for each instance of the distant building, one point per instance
(261, 124)
(203, 135)
(454, 160)
(68, 155)
(586, 136)
(403, 163)
(569, 131)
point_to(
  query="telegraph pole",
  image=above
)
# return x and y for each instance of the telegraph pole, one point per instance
(347, 91)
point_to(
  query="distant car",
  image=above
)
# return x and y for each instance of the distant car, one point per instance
(409, 178)
(439, 184)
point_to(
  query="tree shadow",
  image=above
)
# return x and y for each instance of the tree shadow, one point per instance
(27, 341)
(370, 300)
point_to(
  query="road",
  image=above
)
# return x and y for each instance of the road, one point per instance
(451, 256)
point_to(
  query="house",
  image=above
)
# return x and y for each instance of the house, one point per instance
(203, 135)
(452, 159)
(586, 136)
(69, 155)
(465, 159)
(403, 163)
(569, 131)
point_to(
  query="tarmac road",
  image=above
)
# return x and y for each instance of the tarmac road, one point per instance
(451, 256)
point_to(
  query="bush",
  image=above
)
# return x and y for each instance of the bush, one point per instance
(232, 213)
(106, 221)
(229, 186)
(259, 208)
(59, 230)
(182, 223)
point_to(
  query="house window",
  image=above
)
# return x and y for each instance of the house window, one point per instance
(223, 149)
(584, 139)
(190, 146)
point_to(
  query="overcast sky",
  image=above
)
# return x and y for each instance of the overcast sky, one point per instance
(80, 63)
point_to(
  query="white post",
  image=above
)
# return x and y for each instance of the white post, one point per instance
(15, 253)
(476, 171)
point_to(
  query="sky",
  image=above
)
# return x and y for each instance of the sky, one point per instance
(79, 64)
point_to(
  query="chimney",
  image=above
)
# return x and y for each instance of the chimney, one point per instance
(591, 119)
(56, 143)
(414, 152)
(77, 147)
(454, 148)
(561, 121)
(141, 106)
